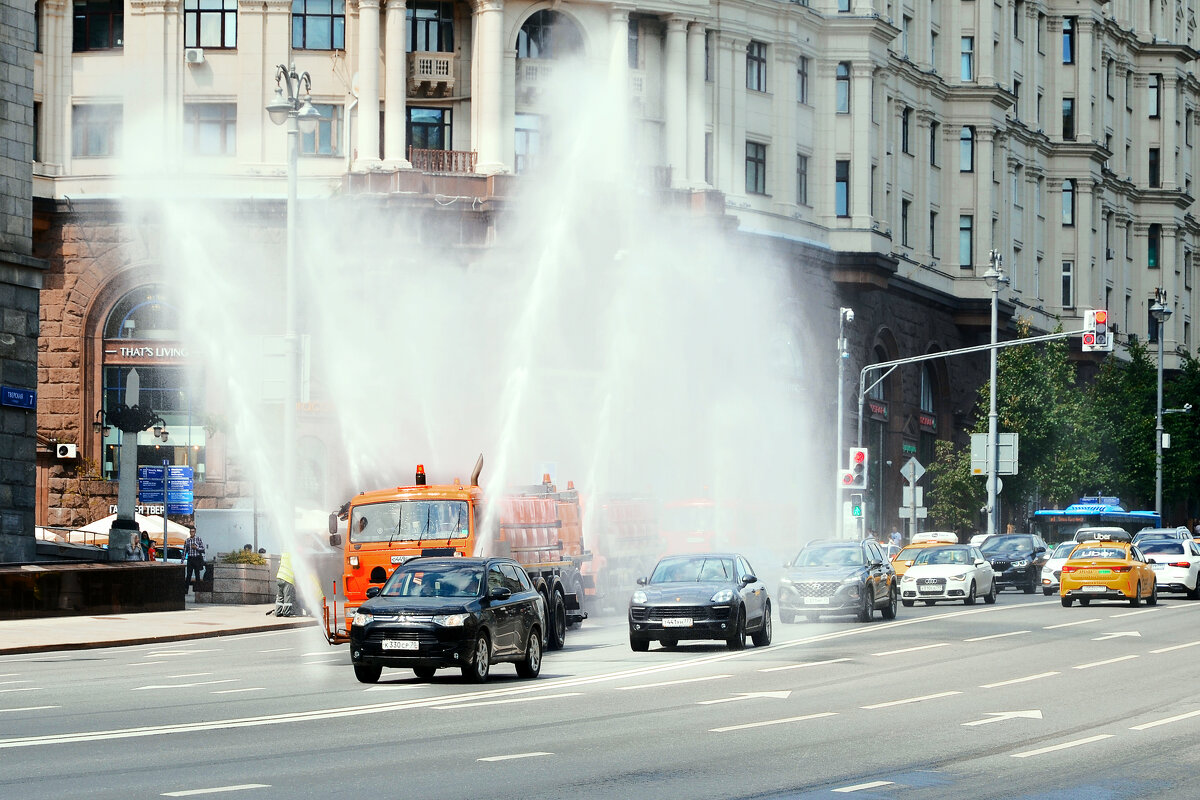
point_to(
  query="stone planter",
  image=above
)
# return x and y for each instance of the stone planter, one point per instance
(239, 584)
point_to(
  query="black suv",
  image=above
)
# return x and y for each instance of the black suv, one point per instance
(838, 577)
(450, 612)
(1017, 559)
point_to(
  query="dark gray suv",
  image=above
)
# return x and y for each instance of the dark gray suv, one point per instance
(838, 577)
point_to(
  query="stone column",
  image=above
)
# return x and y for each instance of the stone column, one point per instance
(1089, 291)
(984, 164)
(1139, 170)
(366, 151)
(395, 113)
(1085, 30)
(782, 76)
(860, 158)
(1169, 92)
(985, 74)
(1053, 72)
(675, 100)
(487, 96)
(695, 105)
(56, 56)
(618, 54)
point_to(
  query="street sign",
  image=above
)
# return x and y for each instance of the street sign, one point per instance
(906, 512)
(907, 495)
(175, 480)
(1006, 453)
(18, 398)
(912, 471)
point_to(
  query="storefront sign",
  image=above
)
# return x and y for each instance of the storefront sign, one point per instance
(134, 353)
(927, 421)
(877, 409)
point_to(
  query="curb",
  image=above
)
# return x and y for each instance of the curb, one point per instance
(177, 637)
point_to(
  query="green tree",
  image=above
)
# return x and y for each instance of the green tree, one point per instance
(1123, 401)
(957, 494)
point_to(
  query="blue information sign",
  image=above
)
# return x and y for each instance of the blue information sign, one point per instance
(19, 398)
(179, 487)
(179, 508)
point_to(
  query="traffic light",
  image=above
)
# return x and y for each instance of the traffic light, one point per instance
(856, 505)
(857, 471)
(1096, 336)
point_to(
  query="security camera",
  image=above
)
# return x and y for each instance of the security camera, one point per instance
(1187, 407)
(848, 314)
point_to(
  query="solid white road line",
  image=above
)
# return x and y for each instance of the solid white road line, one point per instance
(1062, 746)
(451, 706)
(909, 700)
(912, 649)
(1106, 661)
(998, 684)
(1069, 624)
(28, 708)
(515, 755)
(858, 787)
(765, 723)
(235, 691)
(216, 790)
(1167, 721)
(805, 664)
(1175, 647)
(671, 683)
(994, 636)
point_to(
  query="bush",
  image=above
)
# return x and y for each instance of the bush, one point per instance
(244, 557)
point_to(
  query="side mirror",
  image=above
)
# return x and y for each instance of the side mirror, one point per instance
(333, 523)
(980, 563)
(1038, 550)
(1151, 561)
(372, 591)
(749, 579)
(642, 581)
(335, 540)
(875, 564)
(499, 593)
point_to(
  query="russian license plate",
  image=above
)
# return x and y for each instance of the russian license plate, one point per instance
(929, 589)
(1157, 567)
(816, 601)
(1095, 588)
(677, 622)
(400, 644)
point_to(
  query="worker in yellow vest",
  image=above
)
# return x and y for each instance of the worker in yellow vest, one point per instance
(285, 587)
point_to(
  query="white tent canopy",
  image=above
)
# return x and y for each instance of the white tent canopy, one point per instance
(151, 525)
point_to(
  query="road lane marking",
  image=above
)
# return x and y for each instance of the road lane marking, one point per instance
(514, 755)
(445, 706)
(746, 696)
(911, 649)
(858, 787)
(277, 650)
(994, 636)
(1175, 647)
(182, 685)
(27, 708)
(216, 790)
(1062, 746)
(5, 683)
(1104, 662)
(998, 684)
(23, 689)
(909, 700)
(1000, 716)
(10, 675)
(191, 675)
(1117, 635)
(1069, 624)
(146, 663)
(165, 653)
(322, 653)
(671, 683)
(765, 723)
(235, 691)
(1133, 613)
(1167, 721)
(805, 664)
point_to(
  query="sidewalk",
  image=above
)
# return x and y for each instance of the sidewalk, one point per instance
(196, 621)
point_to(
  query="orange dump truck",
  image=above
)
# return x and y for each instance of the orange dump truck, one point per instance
(538, 526)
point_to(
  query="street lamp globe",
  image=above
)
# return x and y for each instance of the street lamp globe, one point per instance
(279, 107)
(308, 116)
(1160, 312)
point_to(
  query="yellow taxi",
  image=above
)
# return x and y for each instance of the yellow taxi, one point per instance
(904, 559)
(1104, 569)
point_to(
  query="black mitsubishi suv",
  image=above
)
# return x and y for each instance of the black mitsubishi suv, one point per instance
(1017, 559)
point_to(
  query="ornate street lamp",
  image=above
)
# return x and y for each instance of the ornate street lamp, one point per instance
(994, 278)
(1161, 313)
(130, 419)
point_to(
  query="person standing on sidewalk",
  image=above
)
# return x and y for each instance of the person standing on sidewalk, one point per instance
(285, 587)
(133, 550)
(193, 549)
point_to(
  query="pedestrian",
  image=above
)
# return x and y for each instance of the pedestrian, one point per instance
(133, 550)
(145, 546)
(896, 537)
(193, 550)
(285, 587)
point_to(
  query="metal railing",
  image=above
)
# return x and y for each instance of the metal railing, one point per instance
(459, 161)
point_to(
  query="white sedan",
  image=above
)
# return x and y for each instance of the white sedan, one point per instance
(1176, 565)
(953, 572)
(1052, 569)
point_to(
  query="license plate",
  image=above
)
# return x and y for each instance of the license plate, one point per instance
(816, 601)
(929, 589)
(1157, 567)
(400, 644)
(677, 622)
(1095, 588)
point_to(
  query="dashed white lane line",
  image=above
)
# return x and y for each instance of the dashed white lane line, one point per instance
(1167, 721)
(27, 708)
(1134, 613)
(805, 664)
(767, 722)
(216, 790)
(1104, 662)
(907, 700)
(671, 683)
(166, 653)
(1070, 624)
(22, 689)
(1175, 647)
(322, 653)
(277, 650)
(235, 691)
(190, 675)
(6, 683)
(146, 663)
(182, 685)
(532, 699)
(858, 787)
(912, 649)
(10, 675)
(1010, 682)
(994, 636)
(1063, 746)
(514, 755)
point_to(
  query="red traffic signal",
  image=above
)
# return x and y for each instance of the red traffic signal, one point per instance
(858, 467)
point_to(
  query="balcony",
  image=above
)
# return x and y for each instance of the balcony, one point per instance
(455, 161)
(533, 76)
(430, 74)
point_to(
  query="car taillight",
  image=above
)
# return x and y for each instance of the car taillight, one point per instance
(1068, 568)
(1124, 568)
(1184, 564)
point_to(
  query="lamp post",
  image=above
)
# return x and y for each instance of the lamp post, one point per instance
(844, 315)
(994, 278)
(300, 115)
(1161, 312)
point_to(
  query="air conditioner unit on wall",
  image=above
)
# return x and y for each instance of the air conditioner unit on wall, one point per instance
(193, 55)
(66, 450)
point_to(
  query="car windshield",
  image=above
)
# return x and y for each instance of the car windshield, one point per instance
(1063, 550)
(1086, 551)
(699, 569)
(944, 555)
(409, 520)
(442, 581)
(909, 553)
(1171, 548)
(999, 545)
(837, 556)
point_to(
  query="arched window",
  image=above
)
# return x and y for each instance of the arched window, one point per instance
(548, 34)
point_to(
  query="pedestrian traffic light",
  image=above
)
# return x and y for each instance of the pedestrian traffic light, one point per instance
(1096, 336)
(856, 504)
(858, 468)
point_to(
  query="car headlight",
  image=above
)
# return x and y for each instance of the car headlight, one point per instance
(962, 577)
(851, 580)
(723, 596)
(362, 618)
(906, 578)
(786, 581)
(1021, 563)
(450, 620)
(638, 597)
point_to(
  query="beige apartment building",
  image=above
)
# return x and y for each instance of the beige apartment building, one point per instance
(886, 145)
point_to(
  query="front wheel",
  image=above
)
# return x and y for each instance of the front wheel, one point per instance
(990, 597)
(1067, 602)
(1032, 587)
(424, 673)
(762, 637)
(531, 665)
(481, 662)
(1047, 592)
(639, 645)
(1152, 599)
(367, 673)
(889, 611)
(737, 640)
(907, 603)
(868, 605)
(787, 617)
(969, 600)
(556, 625)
